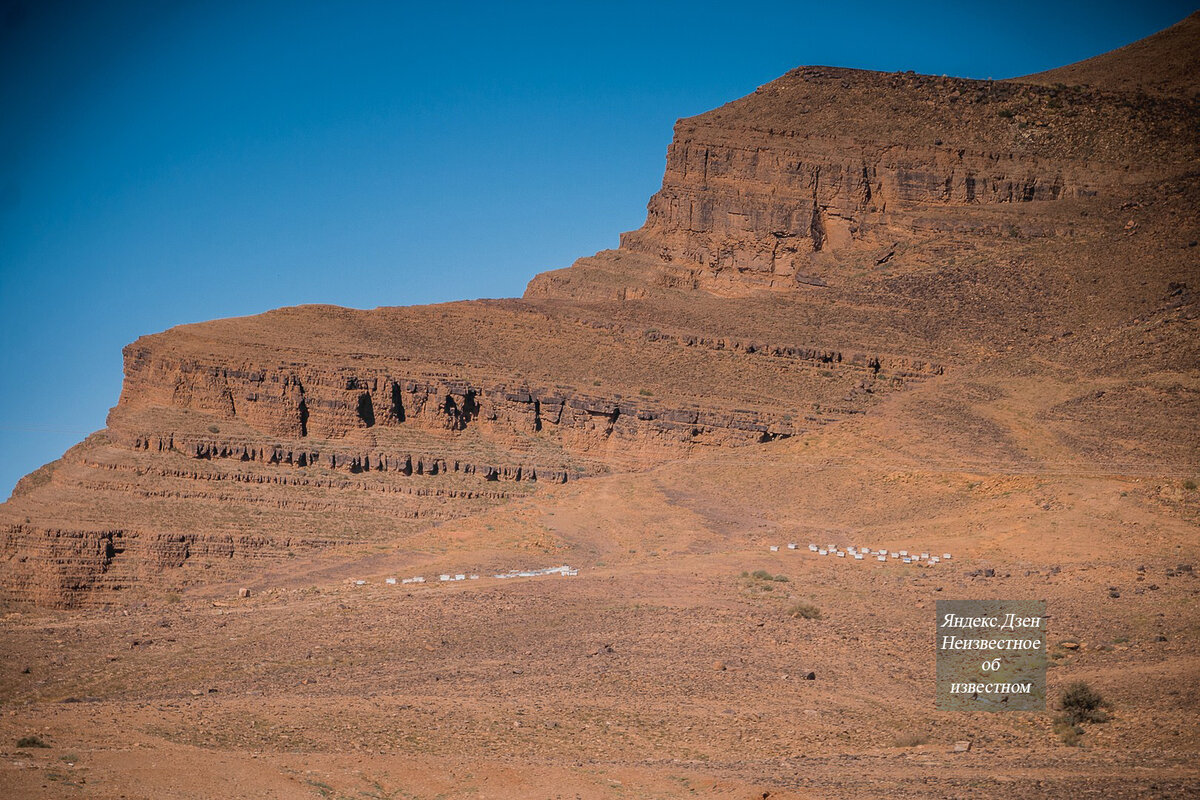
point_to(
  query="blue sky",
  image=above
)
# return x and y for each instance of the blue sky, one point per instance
(163, 163)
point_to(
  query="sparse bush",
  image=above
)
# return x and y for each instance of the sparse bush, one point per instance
(1006, 113)
(910, 740)
(761, 581)
(762, 575)
(1081, 703)
(645, 393)
(213, 429)
(1071, 735)
(323, 789)
(31, 741)
(1189, 485)
(804, 611)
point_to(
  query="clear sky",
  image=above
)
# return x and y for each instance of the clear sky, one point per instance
(171, 162)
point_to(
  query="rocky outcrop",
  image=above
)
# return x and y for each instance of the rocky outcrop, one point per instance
(405, 464)
(68, 566)
(756, 190)
(298, 403)
(223, 453)
(764, 211)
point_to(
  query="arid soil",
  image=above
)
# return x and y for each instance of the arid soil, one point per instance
(866, 309)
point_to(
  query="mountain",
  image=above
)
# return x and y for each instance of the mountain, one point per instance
(1162, 64)
(833, 239)
(911, 313)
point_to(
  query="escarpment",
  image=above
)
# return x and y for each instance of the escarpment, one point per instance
(300, 402)
(232, 447)
(830, 161)
(817, 248)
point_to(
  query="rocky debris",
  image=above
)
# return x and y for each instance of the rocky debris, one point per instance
(961, 747)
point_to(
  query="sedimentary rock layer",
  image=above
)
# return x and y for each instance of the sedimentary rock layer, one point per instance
(802, 167)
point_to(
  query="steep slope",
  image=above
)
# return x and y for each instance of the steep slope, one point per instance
(825, 172)
(1164, 63)
(231, 444)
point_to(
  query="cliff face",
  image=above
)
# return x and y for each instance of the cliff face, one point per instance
(817, 247)
(1163, 64)
(826, 161)
(302, 402)
(231, 446)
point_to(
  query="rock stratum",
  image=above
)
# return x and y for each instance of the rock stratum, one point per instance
(818, 249)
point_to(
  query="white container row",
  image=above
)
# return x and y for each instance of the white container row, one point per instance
(461, 576)
(859, 553)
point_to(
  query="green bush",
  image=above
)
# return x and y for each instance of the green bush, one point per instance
(761, 581)
(31, 741)
(1081, 703)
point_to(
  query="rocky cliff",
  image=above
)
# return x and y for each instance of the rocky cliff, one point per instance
(232, 445)
(831, 161)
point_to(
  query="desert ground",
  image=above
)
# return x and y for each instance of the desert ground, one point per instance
(658, 671)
